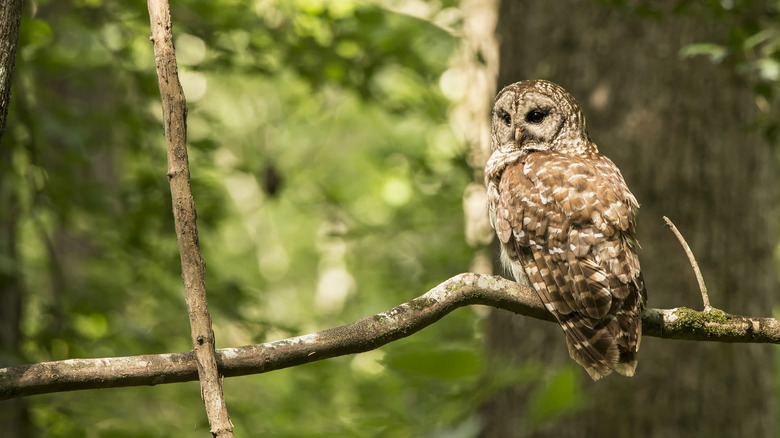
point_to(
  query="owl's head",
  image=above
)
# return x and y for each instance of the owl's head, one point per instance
(537, 115)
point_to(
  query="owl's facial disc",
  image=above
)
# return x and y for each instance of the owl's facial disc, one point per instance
(529, 120)
(537, 122)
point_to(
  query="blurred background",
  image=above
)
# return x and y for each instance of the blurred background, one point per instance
(336, 151)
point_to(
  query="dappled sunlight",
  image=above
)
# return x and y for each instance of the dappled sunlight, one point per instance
(327, 183)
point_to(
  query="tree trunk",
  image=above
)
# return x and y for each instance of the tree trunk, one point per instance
(13, 413)
(10, 18)
(679, 131)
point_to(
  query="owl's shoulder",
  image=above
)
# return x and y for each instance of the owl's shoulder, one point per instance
(585, 189)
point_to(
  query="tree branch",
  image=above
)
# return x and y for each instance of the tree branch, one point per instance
(705, 297)
(363, 335)
(174, 108)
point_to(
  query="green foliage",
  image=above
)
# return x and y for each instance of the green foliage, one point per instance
(715, 52)
(328, 185)
(444, 364)
(560, 395)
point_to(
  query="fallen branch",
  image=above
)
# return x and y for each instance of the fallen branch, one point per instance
(363, 335)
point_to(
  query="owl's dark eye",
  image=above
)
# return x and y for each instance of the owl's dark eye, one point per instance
(535, 116)
(506, 118)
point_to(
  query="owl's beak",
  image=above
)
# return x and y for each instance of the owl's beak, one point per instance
(518, 135)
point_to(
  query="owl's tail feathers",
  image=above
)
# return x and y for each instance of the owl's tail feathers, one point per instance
(627, 363)
(627, 328)
(601, 350)
(593, 348)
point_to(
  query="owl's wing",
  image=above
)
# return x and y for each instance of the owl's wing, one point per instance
(601, 214)
(570, 222)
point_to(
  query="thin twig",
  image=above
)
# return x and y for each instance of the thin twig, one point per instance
(362, 335)
(702, 287)
(174, 108)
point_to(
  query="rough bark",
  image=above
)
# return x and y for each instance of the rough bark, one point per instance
(10, 19)
(679, 131)
(363, 335)
(174, 110)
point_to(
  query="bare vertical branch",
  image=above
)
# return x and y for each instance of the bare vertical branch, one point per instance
(174, 109)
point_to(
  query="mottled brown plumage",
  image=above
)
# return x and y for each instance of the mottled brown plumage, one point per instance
(566, 222)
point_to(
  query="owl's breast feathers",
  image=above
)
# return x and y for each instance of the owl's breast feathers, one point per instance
(568, 222)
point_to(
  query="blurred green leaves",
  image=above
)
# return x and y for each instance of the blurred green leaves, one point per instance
(715, 52)
(560, 395)
(443, 364)
(328, 185)
(751, 48)
(351, 44)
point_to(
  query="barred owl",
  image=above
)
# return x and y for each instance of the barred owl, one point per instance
(566, 224)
